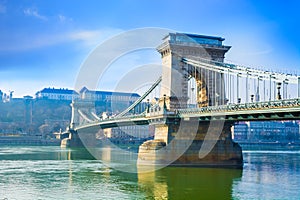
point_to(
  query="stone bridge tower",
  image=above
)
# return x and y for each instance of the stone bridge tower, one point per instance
(175, 73)
(178, 141)
(81, 108)
(81, 113)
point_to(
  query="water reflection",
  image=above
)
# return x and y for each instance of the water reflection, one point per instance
(169, 182)
(189, 183)
(55, 173)
(269, 175)
(118, 153)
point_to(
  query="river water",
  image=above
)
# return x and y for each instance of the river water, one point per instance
(55, 173)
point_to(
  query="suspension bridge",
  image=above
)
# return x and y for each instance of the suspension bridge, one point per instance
(201, 97)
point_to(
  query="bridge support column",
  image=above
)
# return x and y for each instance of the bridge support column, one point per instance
(80, 138)
(75, 116)
(72, 140)
(161, 150)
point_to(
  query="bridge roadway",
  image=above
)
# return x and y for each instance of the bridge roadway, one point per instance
(270, 110)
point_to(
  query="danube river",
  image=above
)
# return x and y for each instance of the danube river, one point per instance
(55, 173)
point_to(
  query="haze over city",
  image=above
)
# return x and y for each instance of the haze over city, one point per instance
(43, 43)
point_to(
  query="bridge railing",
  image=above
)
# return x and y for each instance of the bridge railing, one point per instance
(245, 106)
(112, 119)
(154, 111)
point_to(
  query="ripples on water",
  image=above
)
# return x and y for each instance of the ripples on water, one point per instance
(54, 173)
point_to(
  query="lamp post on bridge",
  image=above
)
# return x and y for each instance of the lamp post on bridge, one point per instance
(148, 105)
(247, 87)
(298, 86)
(284, 88)
(257, 95)
(237, 88)
(217, 99)
(192, 96)
(270, 88)
(252, 97)
(278, 92)
(165, 105)
(239, 100)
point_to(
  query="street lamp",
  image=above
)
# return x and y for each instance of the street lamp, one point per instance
(165, 105)
(148, 106)
(278, 88)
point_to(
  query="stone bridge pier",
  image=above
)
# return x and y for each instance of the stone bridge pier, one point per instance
(180, 142)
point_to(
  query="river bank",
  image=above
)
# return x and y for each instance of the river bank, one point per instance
(286, 145)
(28, 140)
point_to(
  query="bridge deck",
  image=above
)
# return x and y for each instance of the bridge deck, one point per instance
(271, 110)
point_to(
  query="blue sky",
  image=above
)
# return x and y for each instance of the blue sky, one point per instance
(44, 43)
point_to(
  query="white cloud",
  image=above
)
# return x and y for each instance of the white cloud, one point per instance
(91, 38)
(85, 35)
(34, 12)
(63, 18)
(2, 9)
(86, 38)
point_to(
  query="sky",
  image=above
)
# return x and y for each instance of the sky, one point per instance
(44, 43)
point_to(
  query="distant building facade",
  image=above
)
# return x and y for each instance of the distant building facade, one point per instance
(267, 131)
(108, 96)
(57, 94)
(240, 131)
(1, 96)
(6, 97)
(110, 102)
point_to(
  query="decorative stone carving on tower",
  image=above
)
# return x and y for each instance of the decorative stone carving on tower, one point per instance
(176, 74)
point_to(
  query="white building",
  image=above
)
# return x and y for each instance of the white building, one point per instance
(108, 96)
(57, 94)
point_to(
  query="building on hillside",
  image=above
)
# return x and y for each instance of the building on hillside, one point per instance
(111, 102)
(57, 94)
(6, 97)
(108, 96)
